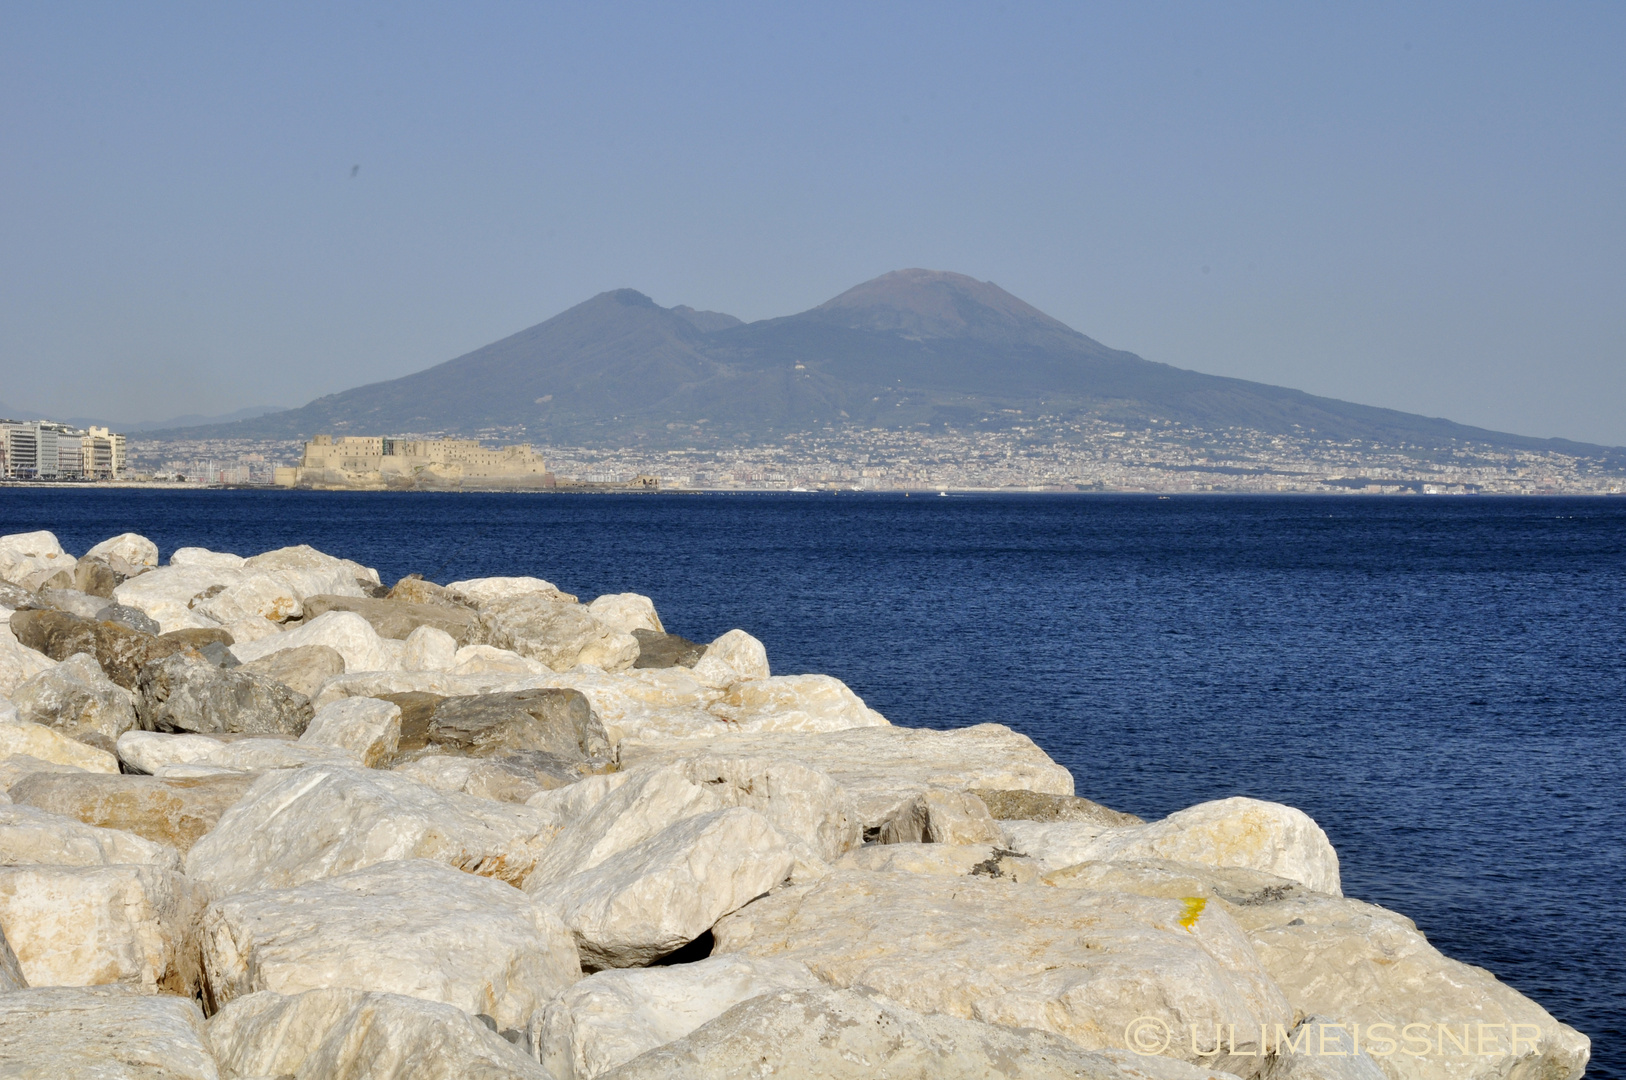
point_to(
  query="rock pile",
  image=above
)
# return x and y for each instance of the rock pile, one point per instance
(264, 817)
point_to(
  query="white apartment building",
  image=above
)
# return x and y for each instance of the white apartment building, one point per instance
(44, 450)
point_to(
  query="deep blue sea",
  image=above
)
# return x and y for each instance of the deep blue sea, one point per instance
(1441, 683)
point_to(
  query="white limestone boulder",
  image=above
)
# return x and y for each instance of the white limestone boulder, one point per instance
(266, 597)
(8, 712)
(941, 816)
(303, 668)
(410, 927)
(196, 557)
(429, 648)
(733, 658)
(169, 593)
(626, 612)
(479, 592)
(30, 836)
(322, 821)
(943, 860)
(102, 1034)
(1053, 844)
(830, 1034)
(352, 1035)
(647, 900)
(132, 549)
(1081, 964)
(365, 728)
(1250, 833)
(18, 663)
(259, 755)
(569, 804)
(309, 572)
(347, 633)
(490, 660)
(882, 768)
(149, 751)
(501, 781)
(560, 635)
(1361, 964)
(807, 703)
(78, 699)
(126, 924)
(800, 802)
(613, 1016)
(32, 559)
(48, 744)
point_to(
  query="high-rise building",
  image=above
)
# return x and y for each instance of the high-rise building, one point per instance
(44, 450)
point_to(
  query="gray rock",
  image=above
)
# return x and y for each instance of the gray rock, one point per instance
(72, 601)
(166, 811)
(133, 618)
(77, 699)
(98, 575)
(121, 651)
(839, 1034)
(658, 650)
(11, 973)
(14, 596)
(304, 668)
(398, 618)
(417, 706)
(185, 693)
(1043, 806)
(555, 721)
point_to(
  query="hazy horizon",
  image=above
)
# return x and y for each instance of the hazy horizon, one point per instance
(209, 210)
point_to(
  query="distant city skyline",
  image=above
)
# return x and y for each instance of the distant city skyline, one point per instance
(212, 209)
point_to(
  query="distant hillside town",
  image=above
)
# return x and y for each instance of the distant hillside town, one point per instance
(378, 461)
(45, 450)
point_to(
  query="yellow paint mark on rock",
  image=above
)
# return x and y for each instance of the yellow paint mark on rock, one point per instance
(1194, 909)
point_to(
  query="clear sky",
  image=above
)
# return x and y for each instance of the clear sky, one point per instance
(213, 206)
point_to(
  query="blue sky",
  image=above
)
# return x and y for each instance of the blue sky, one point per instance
(213, 206)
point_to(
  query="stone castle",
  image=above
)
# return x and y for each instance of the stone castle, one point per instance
(372, 461)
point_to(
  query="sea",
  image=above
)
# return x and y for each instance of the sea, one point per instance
(1440, 682)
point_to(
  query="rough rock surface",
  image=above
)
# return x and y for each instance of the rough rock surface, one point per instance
(480, 593)
(77, 699)
(554, 721)
(826, 1034)
(347, 633)
(1363, 965)
(148, 751)
(611, 1017)
(644, 902)
(661, 650)
(185, 693)
(398, 619)
(102, 1034)
(409, 927)
(1041, 806)
(429, 649)
(498, 779)
(1249, 833)
(120, 651)
(940, 816)
(11, 973)
(734, 657)
(173, 812)
(33, 559)
(323, 821)
(489, 660)
(351, 1035)
(945, 860)
(1081, 964)
(132, 549)
(627, 612)
(15, 768)
(48, 744)
(884, 767)
(18, 663)
(31, 836)
(168, 593)
(73, 601)
(808, 703)
(1052, 844)
(129, 617)
(303, 668)
(367, 728)
(560, 635)
(800, 802)
(98, 925)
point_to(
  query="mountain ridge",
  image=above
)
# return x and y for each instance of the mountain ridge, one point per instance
(911, 348)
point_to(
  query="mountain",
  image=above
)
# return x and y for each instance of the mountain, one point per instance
(910, 348)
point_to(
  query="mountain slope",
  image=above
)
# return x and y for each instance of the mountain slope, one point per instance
(910, 348)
